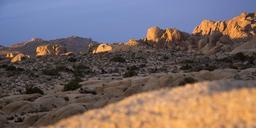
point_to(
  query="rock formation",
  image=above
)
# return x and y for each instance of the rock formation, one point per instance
(226, 104)
(19, 57)
(239, 28)
(133, 42)
(53, 49)
(103, 48)
(165, 38)
(247, 47)
(9, 55)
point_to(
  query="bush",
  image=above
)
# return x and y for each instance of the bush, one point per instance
(130, 73)
(187, 80)
(118, 59)
(72, 85)
(51, 72)
(80, 70)
(33, 90)
(134, 68)
(13, 68)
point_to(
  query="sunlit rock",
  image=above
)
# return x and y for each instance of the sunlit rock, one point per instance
(103, 48)
(238, 28)
(53, 49)
(19, 57)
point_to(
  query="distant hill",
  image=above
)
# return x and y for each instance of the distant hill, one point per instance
(72, 44)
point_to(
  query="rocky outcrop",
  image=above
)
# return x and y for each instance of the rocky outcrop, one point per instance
(102, 48)
(19, 57)
(165, 38)
(132, 42)
(222, 101)
(53, 49)
(239, 28)
(247, 47)
(9, 55)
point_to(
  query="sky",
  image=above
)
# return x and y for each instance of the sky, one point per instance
(108, 20)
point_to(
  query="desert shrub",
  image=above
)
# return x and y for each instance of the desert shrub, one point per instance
(13, 68)
(72, 59)
(186, 67)
(134, 68)
(130, 73)
(51, 72)
(165, 57)
(33, 90)
(240, 56)
(72, 85)
(80, 70)
(187, 80)
(118, 59)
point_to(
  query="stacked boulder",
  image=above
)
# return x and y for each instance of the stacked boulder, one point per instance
(19, 57)
(51, 49)
(167, 38)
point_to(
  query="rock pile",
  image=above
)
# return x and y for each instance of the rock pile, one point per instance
(46, 50)
(164, 38)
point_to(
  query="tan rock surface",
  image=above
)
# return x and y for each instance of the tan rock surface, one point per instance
(52, 49)
(226, 104)
(239, 28)
(19, 57)
(103, 48)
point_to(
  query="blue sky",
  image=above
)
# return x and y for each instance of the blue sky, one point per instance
(108, 20)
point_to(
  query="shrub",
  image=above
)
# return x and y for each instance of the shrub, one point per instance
(130, 73)
(72, 85)
(13, 68)
(134, 68)
(118, 59)
(33, 90)
(187, 80)
(80, 70)
(51, 72)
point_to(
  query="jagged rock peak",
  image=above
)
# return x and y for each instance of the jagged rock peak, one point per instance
(241, 27)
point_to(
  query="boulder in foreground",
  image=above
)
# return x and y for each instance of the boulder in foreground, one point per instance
(207, 104)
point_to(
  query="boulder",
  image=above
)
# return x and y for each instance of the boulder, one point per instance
(9, 55)
(50, 49)
(50, 102)
(62, 113)
(247, 47)
(19, 57)
(132, 42)
(226, 104)
(103, 48)
(154, 34)
(20, 107)
(167, 38)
